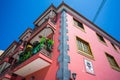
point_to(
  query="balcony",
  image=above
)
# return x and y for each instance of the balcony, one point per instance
(4, 71)
(36, 56)
(4, 60)
(6, 77)
(4, 66)
(37, 52)
(47, 24)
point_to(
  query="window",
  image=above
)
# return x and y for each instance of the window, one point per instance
(113, 46)
(112, 62)
(79, 24)
(83, 47)
(101, 38)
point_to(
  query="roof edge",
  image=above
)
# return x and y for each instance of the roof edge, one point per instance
(24, 32)
(14, 42)
(39, 18)
(64, 4)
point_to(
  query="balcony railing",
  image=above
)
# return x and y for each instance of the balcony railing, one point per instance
(6, 77)
(44, 47)
(5, 71)
(39, 52)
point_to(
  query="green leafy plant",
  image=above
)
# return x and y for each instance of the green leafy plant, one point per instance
(26, 54)
(39, 46)
(35, 43)
(49, 44)
(21, 58)
(43, 40)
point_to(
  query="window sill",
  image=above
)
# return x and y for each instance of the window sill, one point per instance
(116, 68)
(117, 51)
(103, 43)
(79, 28)
(86, 55)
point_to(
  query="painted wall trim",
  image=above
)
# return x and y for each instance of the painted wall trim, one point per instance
(63, 59)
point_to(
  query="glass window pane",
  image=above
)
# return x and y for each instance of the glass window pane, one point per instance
(112, 60)
(83, 46)
(80, 45)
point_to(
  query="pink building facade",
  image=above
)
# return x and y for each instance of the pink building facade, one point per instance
(64, 45)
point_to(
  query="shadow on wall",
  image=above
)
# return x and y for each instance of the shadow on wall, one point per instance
(38, 75)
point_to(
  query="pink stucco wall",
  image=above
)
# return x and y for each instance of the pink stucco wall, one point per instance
(102, 68)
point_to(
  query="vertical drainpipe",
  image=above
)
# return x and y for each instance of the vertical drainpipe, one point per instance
(63, 59)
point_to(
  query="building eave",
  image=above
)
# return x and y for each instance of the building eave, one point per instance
(44, 13)
(82, 18)
(88, 23)
(3, 54)
(28, 29)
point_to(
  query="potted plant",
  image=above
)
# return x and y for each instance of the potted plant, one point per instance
(43, 40)
(35, 43)
(49, 44)
(21, 58)
(37, 49)
(39, 46)
(28, 51)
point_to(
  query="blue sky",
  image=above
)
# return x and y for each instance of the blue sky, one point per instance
(17, 15)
